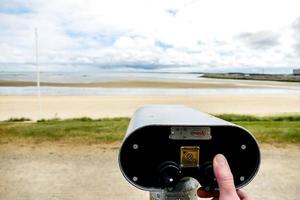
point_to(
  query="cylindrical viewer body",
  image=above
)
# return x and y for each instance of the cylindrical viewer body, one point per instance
(165, 143)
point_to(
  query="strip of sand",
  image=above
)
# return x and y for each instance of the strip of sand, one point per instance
(124, 84)
(124, 106)
(202, 83)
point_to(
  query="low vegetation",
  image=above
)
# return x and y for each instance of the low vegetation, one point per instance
(81, 130)
(236, 117)
(269, 129)
(260, 77)
(21, 119)
(272, 129)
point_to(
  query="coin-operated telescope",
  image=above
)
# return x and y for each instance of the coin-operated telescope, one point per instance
(168, 149)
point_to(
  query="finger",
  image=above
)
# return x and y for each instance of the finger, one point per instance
(243, 195)
(207, 194)
(223, 175)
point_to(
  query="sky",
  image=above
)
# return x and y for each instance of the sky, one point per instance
(166, 35)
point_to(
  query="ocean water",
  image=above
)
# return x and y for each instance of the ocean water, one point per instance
(98, 76)
(104, 76)
(81, 91)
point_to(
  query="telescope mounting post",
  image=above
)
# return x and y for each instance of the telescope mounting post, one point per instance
(186, 189)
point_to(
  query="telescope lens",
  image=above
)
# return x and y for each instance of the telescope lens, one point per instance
(207, 177)
(169, 174)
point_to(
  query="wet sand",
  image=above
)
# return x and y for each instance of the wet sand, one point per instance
(124, 106)
(124, 84)
(201, 83)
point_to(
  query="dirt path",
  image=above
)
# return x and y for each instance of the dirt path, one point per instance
(91, 172)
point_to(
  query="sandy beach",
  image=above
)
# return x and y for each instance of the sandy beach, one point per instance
(285, 100)
(124, 106)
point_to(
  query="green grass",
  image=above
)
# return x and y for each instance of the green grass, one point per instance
(82, 130)
(236, 117)
(274, 131)
(271, 129)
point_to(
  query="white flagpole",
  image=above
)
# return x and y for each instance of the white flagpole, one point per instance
(37, 74)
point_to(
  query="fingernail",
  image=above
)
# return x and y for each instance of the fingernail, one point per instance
(220, 159)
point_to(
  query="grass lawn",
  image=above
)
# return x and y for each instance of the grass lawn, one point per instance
(82, 130)
(274, 129)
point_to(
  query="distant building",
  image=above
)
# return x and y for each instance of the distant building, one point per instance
(296, 72)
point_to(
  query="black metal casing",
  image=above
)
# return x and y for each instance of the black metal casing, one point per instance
(150, 158)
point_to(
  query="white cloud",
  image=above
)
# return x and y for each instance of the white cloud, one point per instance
(187, 34)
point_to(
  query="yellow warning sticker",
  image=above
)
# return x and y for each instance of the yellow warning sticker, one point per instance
(189, 156)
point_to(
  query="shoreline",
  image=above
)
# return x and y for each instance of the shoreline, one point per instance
(124, 84)
(201, 83)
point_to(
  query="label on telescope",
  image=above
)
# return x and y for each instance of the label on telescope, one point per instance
(190, 133)
(189, 156)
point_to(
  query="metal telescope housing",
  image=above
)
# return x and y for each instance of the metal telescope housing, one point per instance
(165, 143)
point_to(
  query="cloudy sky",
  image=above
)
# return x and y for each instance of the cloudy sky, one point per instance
(187, 35)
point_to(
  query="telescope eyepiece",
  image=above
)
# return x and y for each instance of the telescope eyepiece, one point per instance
(169, 174)
(207, 177)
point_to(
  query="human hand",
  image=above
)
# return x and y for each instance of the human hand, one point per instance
(225, 181)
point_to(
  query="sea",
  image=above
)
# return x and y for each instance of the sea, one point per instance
(108, 76)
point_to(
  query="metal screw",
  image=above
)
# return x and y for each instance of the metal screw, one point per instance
(135, 146)
(243, 147)
(242, 178)
(134, 178)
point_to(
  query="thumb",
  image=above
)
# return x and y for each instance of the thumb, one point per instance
(224, 177)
